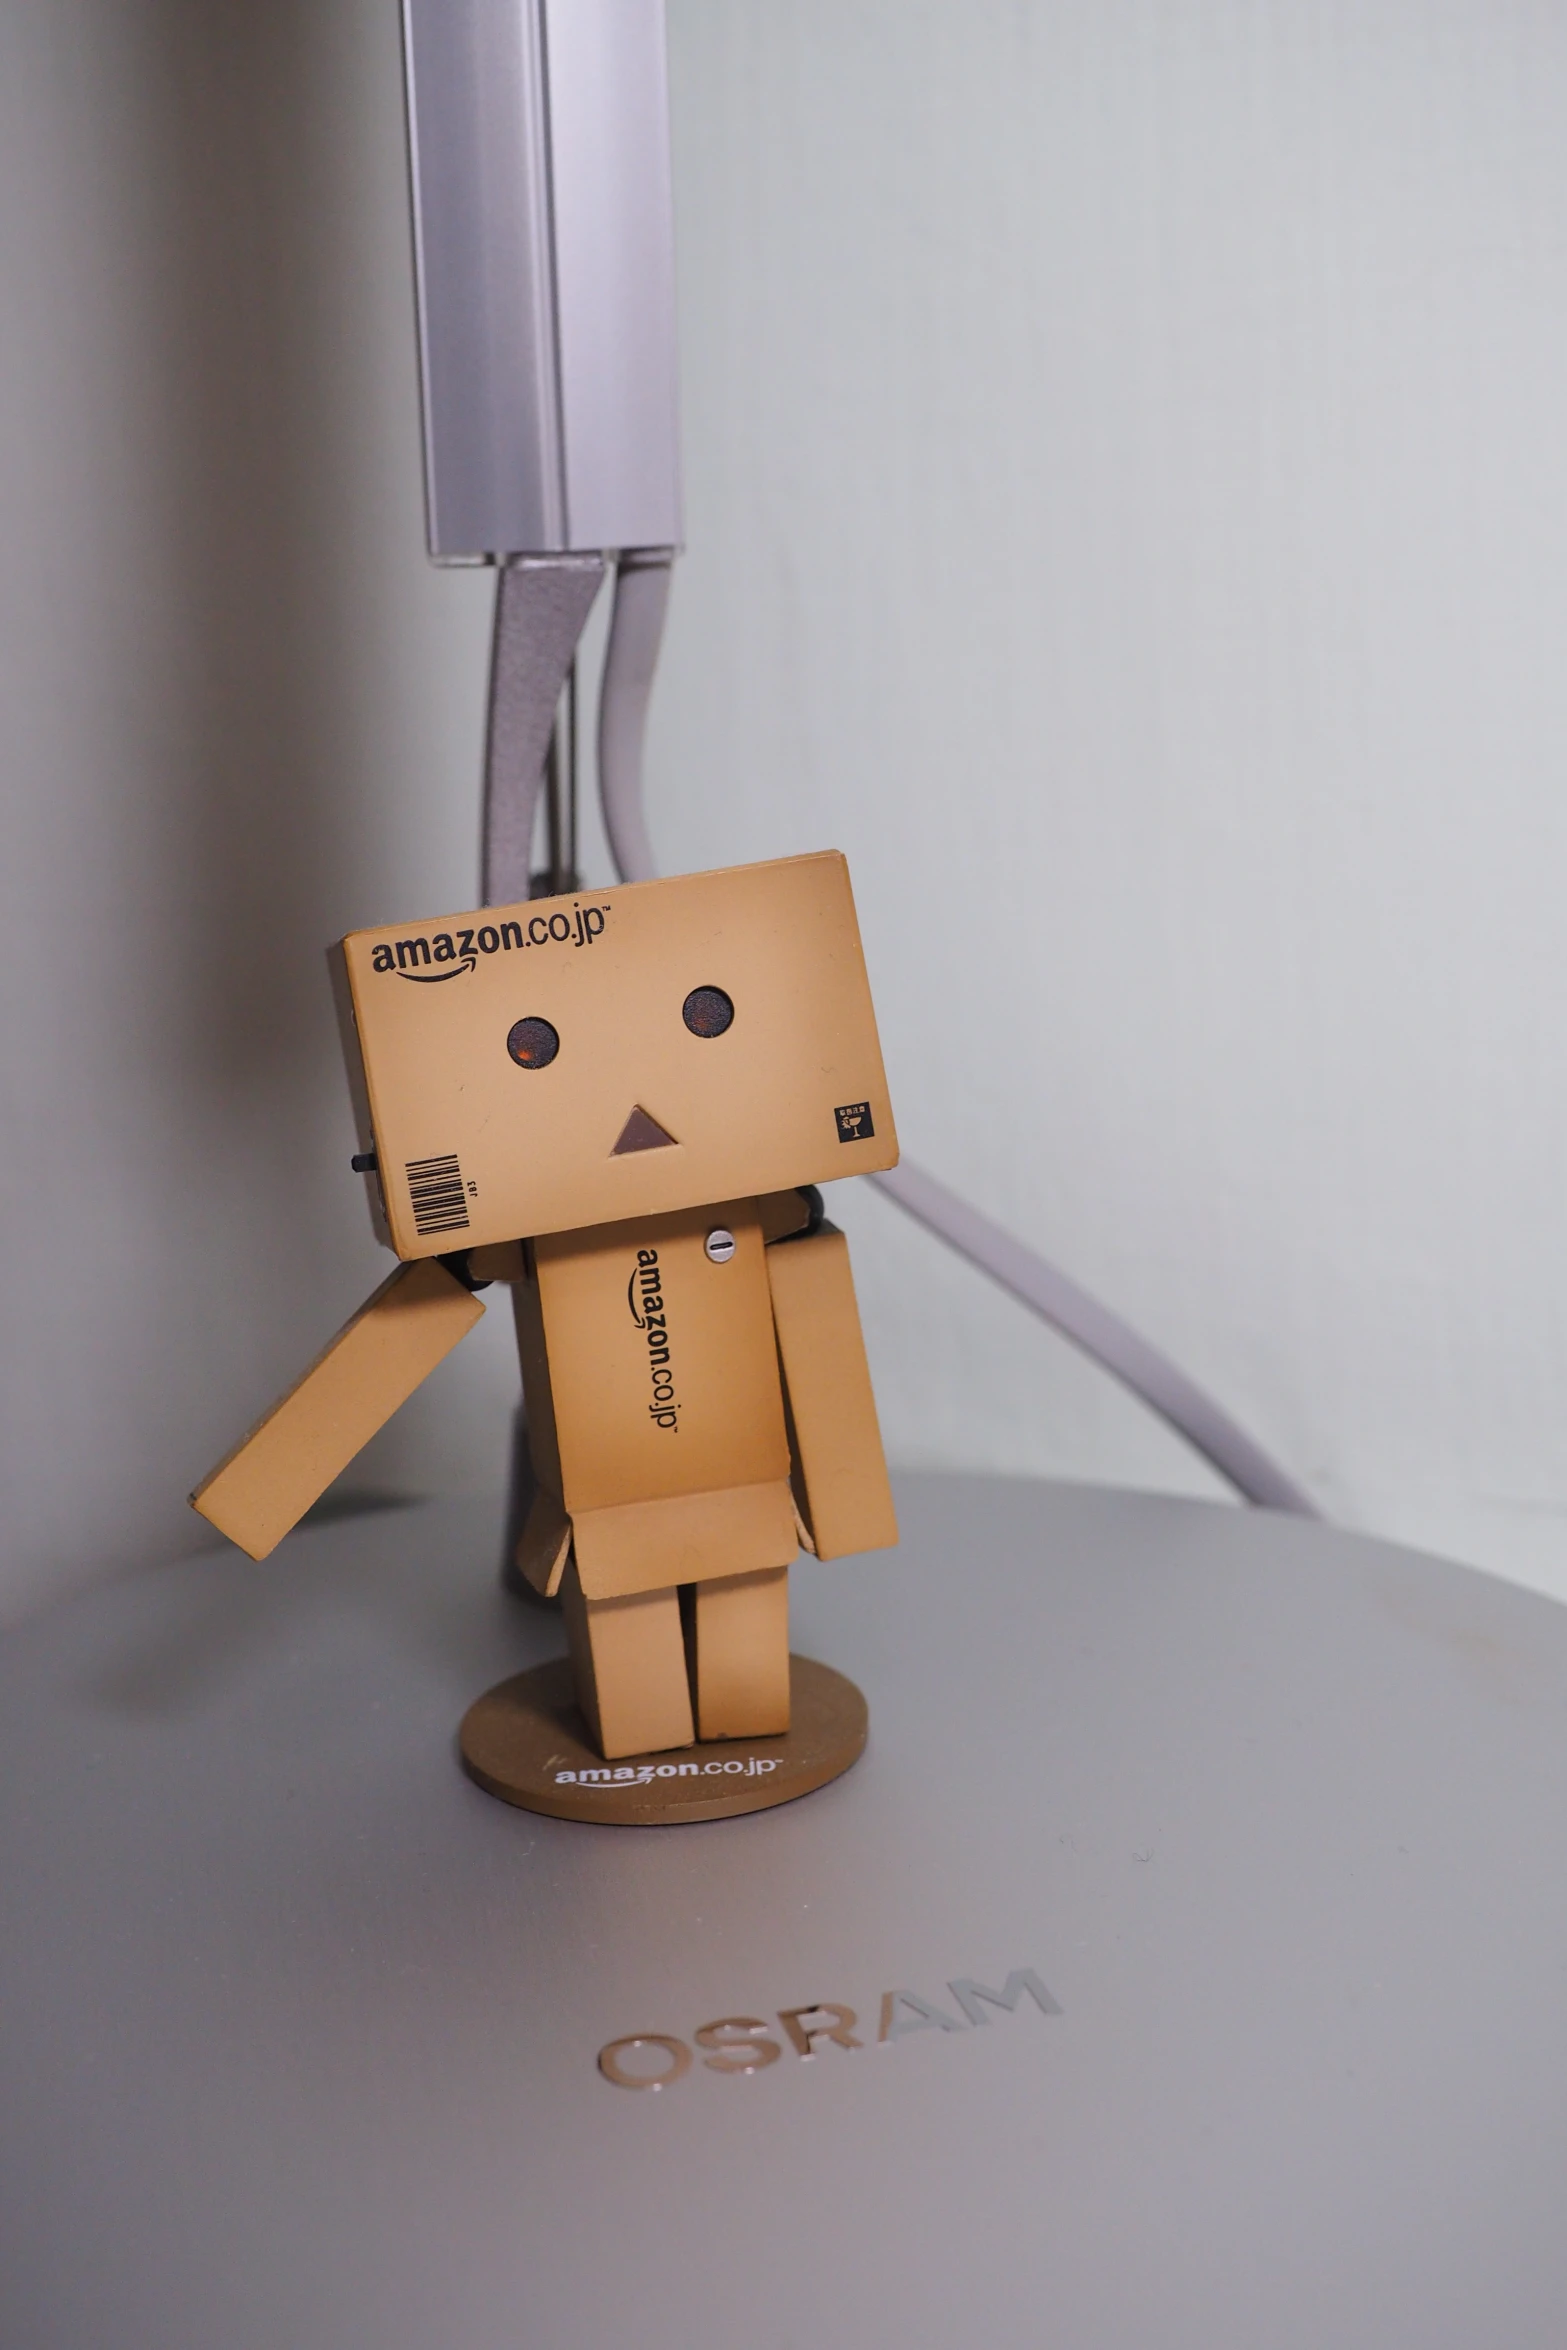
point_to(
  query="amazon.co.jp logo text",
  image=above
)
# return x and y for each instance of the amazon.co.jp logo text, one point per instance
(422, 959)
(618, 1775)
(645, 1297)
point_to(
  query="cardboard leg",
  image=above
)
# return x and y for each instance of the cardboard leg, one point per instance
(742, 1655)
(630, 1664)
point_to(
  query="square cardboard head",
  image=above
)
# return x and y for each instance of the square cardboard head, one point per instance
(625, 1052)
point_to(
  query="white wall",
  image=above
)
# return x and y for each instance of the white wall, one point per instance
(1128, 513)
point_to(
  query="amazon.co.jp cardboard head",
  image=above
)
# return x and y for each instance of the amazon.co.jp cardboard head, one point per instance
(536, 1068)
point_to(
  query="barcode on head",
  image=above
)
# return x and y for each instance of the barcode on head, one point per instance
(435, 1188)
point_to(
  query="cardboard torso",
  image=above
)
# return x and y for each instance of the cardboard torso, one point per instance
(654, 1397)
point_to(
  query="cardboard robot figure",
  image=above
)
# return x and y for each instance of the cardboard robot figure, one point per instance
(617, 1103)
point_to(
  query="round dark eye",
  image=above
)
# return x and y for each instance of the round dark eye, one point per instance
(532, 1044)
(707, 1011)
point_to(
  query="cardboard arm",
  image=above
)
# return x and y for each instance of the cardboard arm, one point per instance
(838, 1468)
(262, 1489)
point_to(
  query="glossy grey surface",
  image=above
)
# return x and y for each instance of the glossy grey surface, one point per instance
(300, 2027)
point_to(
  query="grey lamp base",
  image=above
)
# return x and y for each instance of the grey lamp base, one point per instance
(1183, 1964)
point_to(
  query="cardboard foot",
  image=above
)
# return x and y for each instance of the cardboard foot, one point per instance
(526, 1742)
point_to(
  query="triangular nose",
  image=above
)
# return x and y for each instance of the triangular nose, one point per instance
(641, 1133)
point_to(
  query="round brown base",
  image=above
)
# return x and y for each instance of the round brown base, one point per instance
(526, 1742)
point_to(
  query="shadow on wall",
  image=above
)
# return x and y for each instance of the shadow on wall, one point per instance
(290, 349)
(257, 354)
(225, 752)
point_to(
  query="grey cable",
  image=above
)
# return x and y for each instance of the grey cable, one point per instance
(1102, 1335)
(558, 875)
(636, 630)
(541, 604)
(641, 593)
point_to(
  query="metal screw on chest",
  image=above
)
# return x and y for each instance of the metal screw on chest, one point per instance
(720, 1245)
